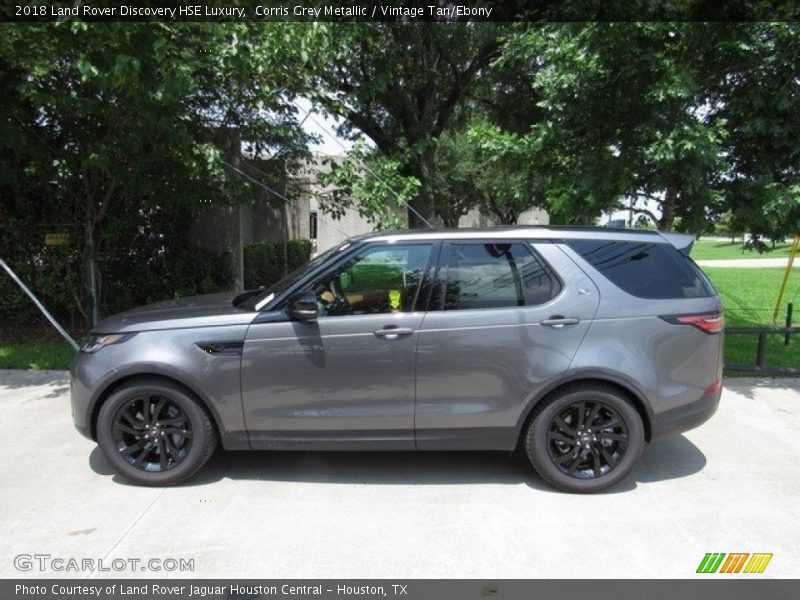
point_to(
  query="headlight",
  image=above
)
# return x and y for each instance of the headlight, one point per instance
(96, 341)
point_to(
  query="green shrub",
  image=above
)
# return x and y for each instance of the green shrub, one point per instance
(126, 281)
(51, 274)
(298, 253)
(264, 261)
(263, 264)
(135, 276)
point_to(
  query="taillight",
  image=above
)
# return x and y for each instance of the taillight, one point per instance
(707, 322)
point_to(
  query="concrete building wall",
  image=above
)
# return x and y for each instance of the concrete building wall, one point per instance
(330, 231)
(266, 217)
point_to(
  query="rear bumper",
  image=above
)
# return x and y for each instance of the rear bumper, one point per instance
(687, 416)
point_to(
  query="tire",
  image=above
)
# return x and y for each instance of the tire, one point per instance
(167, 445)
(589, 453)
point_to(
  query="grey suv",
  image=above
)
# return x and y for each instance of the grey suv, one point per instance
(576, 345)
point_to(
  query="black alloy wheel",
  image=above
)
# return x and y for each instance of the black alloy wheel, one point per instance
(152, 433)
(585, 438)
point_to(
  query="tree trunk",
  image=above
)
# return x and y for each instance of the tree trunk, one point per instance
(239, 258)
(450, 220)
(667, 221)
(424, 205)
(93, 314)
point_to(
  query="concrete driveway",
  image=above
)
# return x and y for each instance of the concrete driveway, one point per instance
(729, 486)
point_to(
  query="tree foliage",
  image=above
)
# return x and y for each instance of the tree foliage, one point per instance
(400, 84)
(371, 184)
(625, 112)
(117, 132)
(687, 119)
(759, 99)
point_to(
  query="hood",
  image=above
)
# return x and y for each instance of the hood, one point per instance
(195, 311)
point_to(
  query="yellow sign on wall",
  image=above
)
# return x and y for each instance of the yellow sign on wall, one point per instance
(56, 239)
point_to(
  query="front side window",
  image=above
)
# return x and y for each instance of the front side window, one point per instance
(380, 279)
(497, 275)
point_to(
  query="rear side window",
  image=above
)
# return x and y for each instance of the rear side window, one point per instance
(497, 275)
(644, 269)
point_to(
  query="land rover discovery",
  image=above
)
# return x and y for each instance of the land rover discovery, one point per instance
(578, 346)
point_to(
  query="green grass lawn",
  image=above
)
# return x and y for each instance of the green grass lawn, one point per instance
(721, 249)
(35, 354)
(748, 296)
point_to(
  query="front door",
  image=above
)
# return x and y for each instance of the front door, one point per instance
(346, 379)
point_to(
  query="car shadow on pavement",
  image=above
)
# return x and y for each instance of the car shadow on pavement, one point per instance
(54, 384)
(666, 459)
(749, 386)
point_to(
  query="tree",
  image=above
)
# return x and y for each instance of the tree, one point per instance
(513, 174)
(458, 169)
(477, 166)
(627, 115)
(400, 84)
(369, 183)
(696, 118)
(119, 127)
(759, 100)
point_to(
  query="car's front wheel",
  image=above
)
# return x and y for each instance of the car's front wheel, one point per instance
(155, 433)
(587, 438)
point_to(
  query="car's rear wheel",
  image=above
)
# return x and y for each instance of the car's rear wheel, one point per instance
(155, 433)
(587, 438)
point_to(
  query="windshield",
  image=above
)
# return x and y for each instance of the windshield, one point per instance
(265, 296)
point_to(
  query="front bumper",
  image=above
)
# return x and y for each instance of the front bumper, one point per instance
(88, 372)
(687, 416)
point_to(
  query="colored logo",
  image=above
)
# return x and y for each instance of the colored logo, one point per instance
(394, 299)
(735, 562)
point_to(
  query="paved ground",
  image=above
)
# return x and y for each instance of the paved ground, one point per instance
(729, 486)
(748, 263)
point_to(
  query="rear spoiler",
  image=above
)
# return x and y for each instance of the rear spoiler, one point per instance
(682, 241)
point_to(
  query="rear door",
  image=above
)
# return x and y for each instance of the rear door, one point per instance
(504, 322)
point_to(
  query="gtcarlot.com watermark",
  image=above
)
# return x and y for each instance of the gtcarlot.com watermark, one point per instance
(59, 564)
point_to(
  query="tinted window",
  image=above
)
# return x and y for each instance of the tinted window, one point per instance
(379, 279)
(644, 269)
(268, 295)
(497, 275)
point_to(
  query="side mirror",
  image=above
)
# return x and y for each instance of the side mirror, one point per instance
(303, 307)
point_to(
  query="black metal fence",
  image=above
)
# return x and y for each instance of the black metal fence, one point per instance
(760, 367)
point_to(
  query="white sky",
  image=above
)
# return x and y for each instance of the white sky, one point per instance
(651, 205)
(317, 123)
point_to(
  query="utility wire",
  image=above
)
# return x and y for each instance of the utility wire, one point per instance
(324, 217)
(366, 168)
(339, 206)
(274, 192)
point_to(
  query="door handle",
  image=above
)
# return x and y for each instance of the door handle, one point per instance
(392, 332)
(558, 321)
